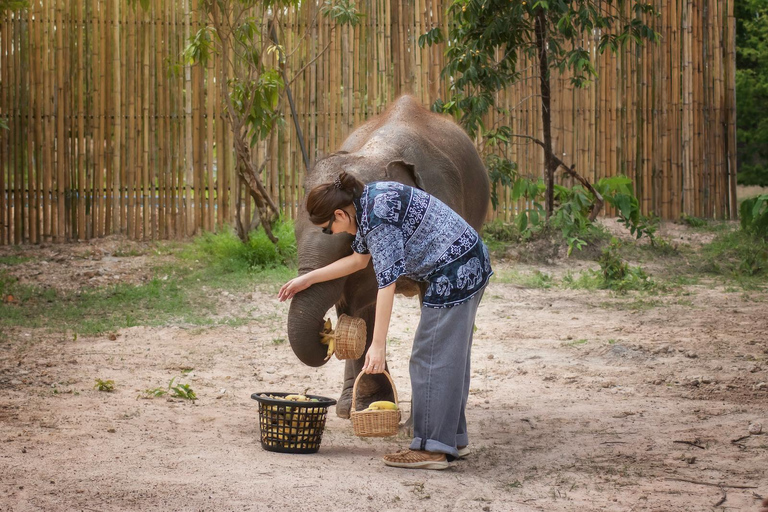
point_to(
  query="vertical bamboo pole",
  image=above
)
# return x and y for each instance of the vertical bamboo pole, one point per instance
(6, 161)
(730, 85)
(60, 166)
(117, 104)
(35, 133)
(187, 146)
(162, 112)
(19, 132)
(210, 96)
(147, 189)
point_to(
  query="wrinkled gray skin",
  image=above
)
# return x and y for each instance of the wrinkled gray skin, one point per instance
(409, 144)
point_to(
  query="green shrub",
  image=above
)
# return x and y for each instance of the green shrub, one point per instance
(736, 254)
(693, 222)
(619, 275)
(227, 251)
(754, 215)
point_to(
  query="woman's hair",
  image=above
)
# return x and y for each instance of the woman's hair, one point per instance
(325, 199)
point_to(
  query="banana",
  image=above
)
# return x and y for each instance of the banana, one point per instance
(382, 405)
(327, 338)
(297, 398)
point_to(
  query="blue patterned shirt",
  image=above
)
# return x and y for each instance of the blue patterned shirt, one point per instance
(410, 233)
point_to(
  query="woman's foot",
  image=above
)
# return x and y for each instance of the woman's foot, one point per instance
(463, 451)
(417, 459)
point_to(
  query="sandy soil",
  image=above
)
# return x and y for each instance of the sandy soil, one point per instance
(580, 400)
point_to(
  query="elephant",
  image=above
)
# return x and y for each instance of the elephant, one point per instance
(409, 144)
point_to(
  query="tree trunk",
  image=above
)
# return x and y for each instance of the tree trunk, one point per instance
(550, 164)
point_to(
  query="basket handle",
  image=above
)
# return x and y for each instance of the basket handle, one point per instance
(354, 388)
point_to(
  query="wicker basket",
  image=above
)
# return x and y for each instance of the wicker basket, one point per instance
(350, 336)
(374, 423)
(289, 426)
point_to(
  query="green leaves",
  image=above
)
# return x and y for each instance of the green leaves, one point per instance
(200, 47)
(752, 91)
(433, 36)
(342, 12)
(754, 215)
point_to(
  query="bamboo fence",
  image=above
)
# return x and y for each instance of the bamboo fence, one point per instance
(109, 131)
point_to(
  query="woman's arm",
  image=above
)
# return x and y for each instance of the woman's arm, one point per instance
(376, 357)
(339, 268)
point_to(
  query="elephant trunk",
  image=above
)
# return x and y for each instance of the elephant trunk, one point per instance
(306, 318)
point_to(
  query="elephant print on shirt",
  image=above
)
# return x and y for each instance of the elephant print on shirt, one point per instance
(470, 274)
(387, 206)
(440, 286)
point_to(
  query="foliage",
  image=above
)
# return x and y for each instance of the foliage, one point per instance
(618, 275)
(752, 91)
(244, 34)
(574, 204)
(487, 37)
(225, 250)
(693, 222)
(12, 5)
(183, 391)
(736, 254)
(105, 385)
(753, 213)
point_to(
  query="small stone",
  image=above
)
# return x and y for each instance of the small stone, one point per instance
(692, 355)
(755, 428)
(111, 430)
(490, 356)
(706, 380)
(761, 386)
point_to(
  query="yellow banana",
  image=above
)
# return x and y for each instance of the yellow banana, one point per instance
(382, 405)
(331, 348)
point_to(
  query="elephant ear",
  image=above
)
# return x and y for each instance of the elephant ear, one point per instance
(404, 172)
(440, 178)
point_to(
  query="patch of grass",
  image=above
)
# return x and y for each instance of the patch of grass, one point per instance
(534, 279)
(537, 279)
(179, 292)
(226, 251)
(183, 391)
(497, 235)
(736, 255)
(693, 222)
(95, 311)
(619, 276)
(586, 280)
(105, 385)
(13, 260)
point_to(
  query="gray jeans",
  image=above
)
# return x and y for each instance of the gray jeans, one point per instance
(440, 372)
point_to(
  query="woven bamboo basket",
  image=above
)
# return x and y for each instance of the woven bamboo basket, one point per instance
(350, 336)
(374, 423)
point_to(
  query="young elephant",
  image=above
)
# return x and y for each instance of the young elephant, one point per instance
(408, 144)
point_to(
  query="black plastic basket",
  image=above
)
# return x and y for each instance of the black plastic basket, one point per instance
(289, 426)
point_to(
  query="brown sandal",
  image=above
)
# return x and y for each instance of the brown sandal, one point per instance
(417, 459)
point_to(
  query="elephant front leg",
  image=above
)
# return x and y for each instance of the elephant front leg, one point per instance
(371, 388)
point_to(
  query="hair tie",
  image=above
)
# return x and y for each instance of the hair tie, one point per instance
(337, 183)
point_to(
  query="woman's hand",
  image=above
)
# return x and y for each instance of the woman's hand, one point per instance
(294, 286)
(376, 358)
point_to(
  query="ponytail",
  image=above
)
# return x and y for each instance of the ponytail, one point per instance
(325, 199)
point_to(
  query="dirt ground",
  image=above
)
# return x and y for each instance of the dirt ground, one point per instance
(580, 400)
